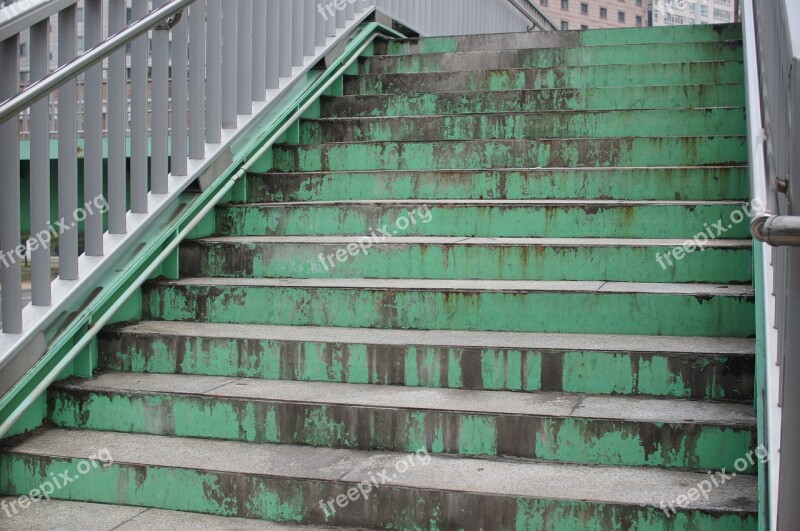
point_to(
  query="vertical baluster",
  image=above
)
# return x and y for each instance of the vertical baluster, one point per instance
(259, 50)
(350, 11)
(244, 29)
(330, 23)
(67, 150)
(10, 230)
(159, 158)
(230, 18)
(320, 24)
(117, 125)
(180, 74)
(309, 22)
(341, 20)
(40, 169)
(285, 50)
(273, 31)
(139, 133)
(214, 73)
(297, 32)
(197, 76)
(93, 131)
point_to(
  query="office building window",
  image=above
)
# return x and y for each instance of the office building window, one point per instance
(603, 12)
(564, 25)
(621, 16)
(565, 4)
(584, 9)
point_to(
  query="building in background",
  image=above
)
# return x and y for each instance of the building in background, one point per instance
(678, 12)
(592, 14)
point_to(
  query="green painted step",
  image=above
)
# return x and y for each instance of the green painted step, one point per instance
(572, 99)
(487, 219)
(492, 154)
(620, 431)
(712, 183)
(288, 483)
(680, 367)
(520, 126)
(562, 77)
(516, 306)
(722, 262)
(552, 57)
(561, 39)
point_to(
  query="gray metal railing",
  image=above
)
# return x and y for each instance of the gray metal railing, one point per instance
(465, 17)
(772, 44)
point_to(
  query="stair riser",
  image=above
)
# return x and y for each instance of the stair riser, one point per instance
(598, 312)
(553, 57)
(709, 184)
(492, 154)
(302, 500)
(700, 73)
(490, 369)
(604, 442)
(560, 39)
(508, 221)
(710, 122)
(524, 262)
(631, 98)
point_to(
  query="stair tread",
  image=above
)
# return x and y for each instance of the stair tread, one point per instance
(546, 112)
(322, 145)
(549, 169)
(456, 240)
(495, 202)
(473, 285)
(454, 338)
(495, 477)
(551, 404)
(45, 515)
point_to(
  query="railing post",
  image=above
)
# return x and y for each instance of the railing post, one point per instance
(67, 150)
(285, 47)
(273, 31)
(139, 132)
(309, 33)
(159, 157)
(244, 30)
(230, 18)
(11, 275)
(117, 125)
(197, 78)
(297, 32)
(259, 50)
(40, 168)
(92, 131)
(214, 72)
(180, 74)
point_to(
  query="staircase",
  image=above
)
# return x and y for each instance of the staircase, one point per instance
(457, 303)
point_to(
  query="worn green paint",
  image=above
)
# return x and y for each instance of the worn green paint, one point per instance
(643, 220)
(596, 76)
(573, 439)
(575, 99)
(430, 309)
(552, 57)
(520, 126)
(596, 37)
(295, 500)
(709, 184)
(488, 154)
(522, 261)
(495, 369)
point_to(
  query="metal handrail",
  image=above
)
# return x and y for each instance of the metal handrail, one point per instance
(39, 89)
(531, 12)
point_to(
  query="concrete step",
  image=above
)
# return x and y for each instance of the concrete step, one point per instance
(487, 219)
(295, 483)
(572, 99)
(46, 515)
(521, 126)
(560, 77)
(706, 310)
(561, 39)
(711, 183)
(722, 262)
(553, 57)
(493, 154)
(681, 367)
(621, 431)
